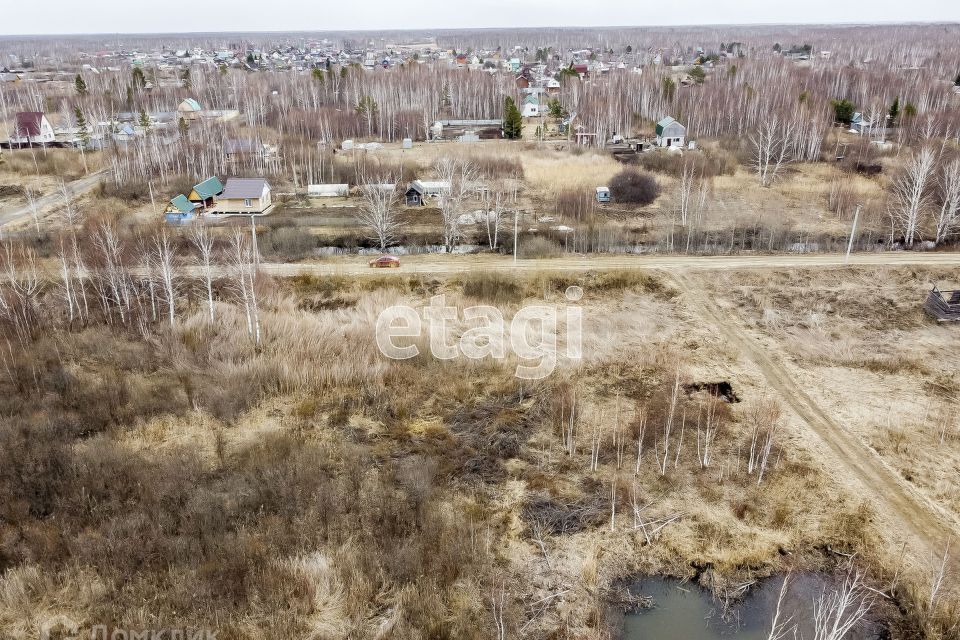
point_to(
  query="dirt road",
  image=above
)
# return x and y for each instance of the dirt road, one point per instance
(905, 515)
(452, 264)
(22, 214)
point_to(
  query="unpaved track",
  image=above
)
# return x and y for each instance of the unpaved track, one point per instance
(452, 264)
(906, 515)
(76, 189)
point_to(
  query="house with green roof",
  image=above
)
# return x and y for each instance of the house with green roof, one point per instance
(189, 109)
(204, 193)
(670, 133)
(180, 210)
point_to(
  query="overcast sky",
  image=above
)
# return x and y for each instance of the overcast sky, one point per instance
(128, 16)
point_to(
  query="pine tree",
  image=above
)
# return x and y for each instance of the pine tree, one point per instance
(139, 82)
(512, 120)
(80, 85)
(82, 132)
(183, 127)
(185, 79)
(144, 121)
(668, 88)
(895, 110)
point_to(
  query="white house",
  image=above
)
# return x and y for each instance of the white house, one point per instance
(31, 127)
(671, 133)
(531, 107)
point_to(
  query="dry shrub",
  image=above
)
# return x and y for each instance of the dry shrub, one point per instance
(61, 163)
(707, 163)
(287, 243)
(493, 167)
(492, 286)
(633, 187)
(536, 247)
(575, 204)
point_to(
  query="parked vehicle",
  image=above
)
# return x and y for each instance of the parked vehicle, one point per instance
(385, 262)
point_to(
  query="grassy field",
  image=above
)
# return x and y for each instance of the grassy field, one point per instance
(310, 486)
(872, 357)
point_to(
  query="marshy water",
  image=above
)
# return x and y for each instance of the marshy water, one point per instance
(685, 611)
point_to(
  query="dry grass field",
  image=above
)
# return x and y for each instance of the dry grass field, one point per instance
(311, 487)
(860, 343)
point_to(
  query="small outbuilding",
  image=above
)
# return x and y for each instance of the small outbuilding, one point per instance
(671, 133)
(421, 191)
(189, 109)
(180, 210)
(328, 190)
(203, 194)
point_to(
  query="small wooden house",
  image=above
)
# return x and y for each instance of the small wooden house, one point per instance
(31, 127)
(421, 191)
(671, 133)
(180, 210)
(244, 196)
(204, 194)
(189, 109)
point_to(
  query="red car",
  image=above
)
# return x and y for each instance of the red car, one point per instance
(385, 262)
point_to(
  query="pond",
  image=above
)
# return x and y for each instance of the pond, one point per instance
(685, 611)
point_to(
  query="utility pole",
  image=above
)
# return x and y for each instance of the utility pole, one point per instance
(516, 214)
(253, 235)
(853, 231)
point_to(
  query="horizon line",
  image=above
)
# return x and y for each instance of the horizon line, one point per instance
(880, 23)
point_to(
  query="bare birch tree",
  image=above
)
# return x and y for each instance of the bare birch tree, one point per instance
(378, 212)
(245, 273)
(837, 612)
(911, 194)
(203, 242)
(781, 627)
(772, 148)
(495, 206)
(461, 176)
(948, 220)
(166, 255)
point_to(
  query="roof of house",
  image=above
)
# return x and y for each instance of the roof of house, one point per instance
(242, 188)
(666, 122)
(28, 123)
(189, 104)
(242, 145)
(182, 204)
(430, 185)
(209, 187)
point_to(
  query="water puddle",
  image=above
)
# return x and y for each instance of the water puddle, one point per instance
(684, 610)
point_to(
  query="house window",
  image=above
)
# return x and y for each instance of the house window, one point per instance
(247, 202)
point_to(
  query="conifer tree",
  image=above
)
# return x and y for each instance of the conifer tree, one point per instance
(512, 120)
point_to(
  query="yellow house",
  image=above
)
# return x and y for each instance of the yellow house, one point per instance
(244, 195)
